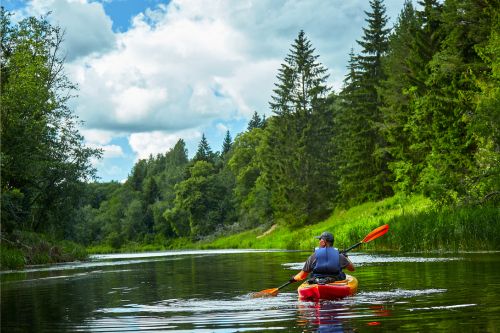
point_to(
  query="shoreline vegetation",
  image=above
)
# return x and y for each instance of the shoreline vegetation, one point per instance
(415, 226)
(29, 248)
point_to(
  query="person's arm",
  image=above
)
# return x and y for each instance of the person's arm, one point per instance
(305, 270)
(299, 276)
(346, 263)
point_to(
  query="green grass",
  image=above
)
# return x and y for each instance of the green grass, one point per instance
(414, 226)
(11, 258)
(29, 248)
(461, 229)
(160, 245)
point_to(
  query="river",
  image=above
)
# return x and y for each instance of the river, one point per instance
(211, 291)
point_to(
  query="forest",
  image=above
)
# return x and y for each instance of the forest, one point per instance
(418, 114)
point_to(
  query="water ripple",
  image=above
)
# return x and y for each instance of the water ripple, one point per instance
(368, 259)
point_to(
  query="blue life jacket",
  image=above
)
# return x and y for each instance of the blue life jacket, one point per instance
(327, 262)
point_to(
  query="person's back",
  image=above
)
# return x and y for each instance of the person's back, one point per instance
(325, 263)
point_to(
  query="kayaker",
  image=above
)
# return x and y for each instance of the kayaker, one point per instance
(325, 264)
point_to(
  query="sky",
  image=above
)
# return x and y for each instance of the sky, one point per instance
(150, 72)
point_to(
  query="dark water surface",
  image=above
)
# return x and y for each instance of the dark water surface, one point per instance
(210, 291)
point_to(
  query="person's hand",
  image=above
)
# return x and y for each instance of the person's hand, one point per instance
(292, 279)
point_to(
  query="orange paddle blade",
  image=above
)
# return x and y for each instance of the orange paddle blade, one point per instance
(376, 233)
(266, 293)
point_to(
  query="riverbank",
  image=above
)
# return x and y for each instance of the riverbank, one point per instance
(415, 226)
(27, 248)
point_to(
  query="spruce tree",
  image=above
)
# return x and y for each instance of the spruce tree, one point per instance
(396, 93)
(256, 122)
(204, 152)
(445, 115)
(296, 148)
(362, 163)
(347, 139)
(226, 144)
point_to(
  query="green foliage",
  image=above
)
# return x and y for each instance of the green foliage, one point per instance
(413, 226)
(297, 150)
(28, 248)
(444, 117)
(362, 161)
(197, 202)
(11, 258)
(252, 198)
(43, 158)
(400, 71)
(204, 152)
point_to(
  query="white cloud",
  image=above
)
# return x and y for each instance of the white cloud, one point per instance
(160, 77)
(153, 143)
(112, 151)
(98, 137)
(108, 151)
(86, 26)
(186, 65)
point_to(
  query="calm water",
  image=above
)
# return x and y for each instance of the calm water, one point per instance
(210, 291)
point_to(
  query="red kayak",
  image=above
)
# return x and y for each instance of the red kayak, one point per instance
(335, 290)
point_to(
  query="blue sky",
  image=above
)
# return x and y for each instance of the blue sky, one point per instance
(152, 71)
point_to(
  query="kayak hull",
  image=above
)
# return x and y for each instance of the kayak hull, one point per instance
(329, 291)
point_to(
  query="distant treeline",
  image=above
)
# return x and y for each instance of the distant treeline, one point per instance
(419, 112)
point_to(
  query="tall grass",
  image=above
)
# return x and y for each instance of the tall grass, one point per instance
(415, 225)
(28, 248)
(160, 244)
(461, 229)
(11, 258)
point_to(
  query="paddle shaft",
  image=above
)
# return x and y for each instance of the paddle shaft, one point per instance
(284, 285)
(350, 248)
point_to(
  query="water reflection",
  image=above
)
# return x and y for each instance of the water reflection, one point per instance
(326, 316)
(209, 291)
(337, 316)
(194, 314)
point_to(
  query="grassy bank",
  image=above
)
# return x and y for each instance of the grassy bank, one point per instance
(161, 245)
(414, 226)
(27, 248)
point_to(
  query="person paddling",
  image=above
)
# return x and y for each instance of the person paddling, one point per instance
(325, 264)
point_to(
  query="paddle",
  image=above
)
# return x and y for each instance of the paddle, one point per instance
(374, 234)
(270, 292)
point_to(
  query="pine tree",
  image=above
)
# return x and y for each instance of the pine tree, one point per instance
(204, 152)
(256, 121)
(296, 154)
(348, 135)
(362, 163)
(445, 114)
(396, 91)
(375, 45)
(484, 182)
(227, 144)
